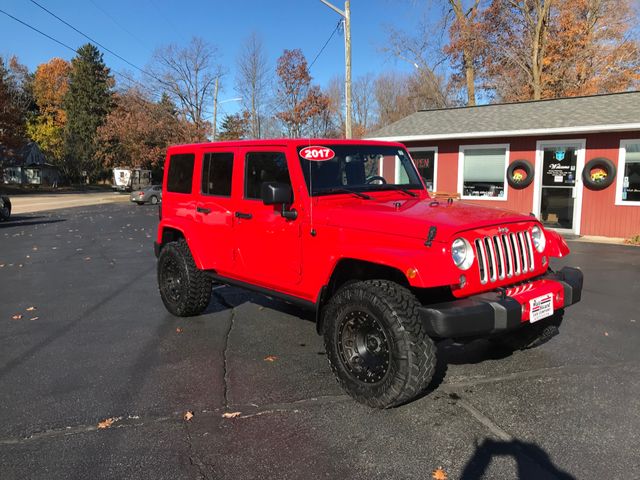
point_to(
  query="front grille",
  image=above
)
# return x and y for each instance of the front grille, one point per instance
(503, 256)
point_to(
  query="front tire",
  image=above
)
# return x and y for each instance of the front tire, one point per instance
(154, 200)
(376, 344)
(5, 208)
(185, 290)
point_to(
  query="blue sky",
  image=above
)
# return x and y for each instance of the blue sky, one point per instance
(134, 28)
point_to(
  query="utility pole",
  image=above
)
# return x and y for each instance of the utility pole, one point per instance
(215, 108)
(346, 15)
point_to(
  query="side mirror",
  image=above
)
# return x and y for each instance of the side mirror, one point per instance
(274, 193)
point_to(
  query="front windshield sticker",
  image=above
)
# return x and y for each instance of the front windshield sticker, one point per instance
(317, 154)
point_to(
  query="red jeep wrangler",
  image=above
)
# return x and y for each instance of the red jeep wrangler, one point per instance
(348, 229)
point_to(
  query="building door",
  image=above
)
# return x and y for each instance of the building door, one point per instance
(558, 184)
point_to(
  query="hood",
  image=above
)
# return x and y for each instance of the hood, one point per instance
(411, 217)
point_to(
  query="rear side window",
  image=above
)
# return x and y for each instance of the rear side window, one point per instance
(180, 173)
(261, 167)
(216, 174)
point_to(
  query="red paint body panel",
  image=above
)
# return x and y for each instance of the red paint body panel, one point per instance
(297, 257)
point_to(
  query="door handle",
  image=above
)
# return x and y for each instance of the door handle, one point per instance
(246, 216)
(204, 210)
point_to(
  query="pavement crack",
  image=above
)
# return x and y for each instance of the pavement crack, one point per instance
(225, 366)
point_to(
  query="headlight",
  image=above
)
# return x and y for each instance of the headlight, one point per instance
(462, 253)
(539, 240)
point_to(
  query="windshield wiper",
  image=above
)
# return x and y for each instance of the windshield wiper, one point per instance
(328, 191)
(388, 186)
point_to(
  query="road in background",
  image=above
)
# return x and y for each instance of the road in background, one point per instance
(55, 201)
(91, 340)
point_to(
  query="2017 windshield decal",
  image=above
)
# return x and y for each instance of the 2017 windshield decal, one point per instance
(317, 154)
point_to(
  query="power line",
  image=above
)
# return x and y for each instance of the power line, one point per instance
(107, 14)
(325, 43)
(94, 41)
(127, 77)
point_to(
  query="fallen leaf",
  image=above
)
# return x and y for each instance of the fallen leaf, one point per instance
(17, 317)
(606, 334)
(178, 330)
(439, 474)
(231, 414)
(34, 318)
(31, 309)
(87, 258)
(1, 265)
(106, 423)
(188, 415)
(270, 358)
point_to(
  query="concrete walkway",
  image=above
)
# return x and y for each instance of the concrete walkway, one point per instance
(54, 201)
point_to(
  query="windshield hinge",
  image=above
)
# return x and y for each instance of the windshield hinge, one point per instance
(432, 234)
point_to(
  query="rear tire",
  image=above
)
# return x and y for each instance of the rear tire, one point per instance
(376, 344)
(530, 336)
(185, 290)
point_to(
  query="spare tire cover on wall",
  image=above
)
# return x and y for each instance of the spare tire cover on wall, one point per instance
(598, 173)
(520, 174)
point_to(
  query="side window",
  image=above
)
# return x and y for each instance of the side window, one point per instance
(180, 173)
(216, 174)
(263, 167)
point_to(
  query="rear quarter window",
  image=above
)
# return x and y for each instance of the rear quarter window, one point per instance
(180, 173)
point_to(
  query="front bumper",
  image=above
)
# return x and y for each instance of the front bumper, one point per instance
(500, 311)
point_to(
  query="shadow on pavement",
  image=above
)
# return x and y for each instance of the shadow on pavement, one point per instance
(532, 461)
(23, 221)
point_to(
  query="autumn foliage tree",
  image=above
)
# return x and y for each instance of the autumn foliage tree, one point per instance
(138, 131)
(591, 49)
(300, 102)
(465, 44)
(555, 48)
(51, 83)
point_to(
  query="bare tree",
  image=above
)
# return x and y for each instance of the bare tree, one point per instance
(252, 81)
(187, 75)
(363, 100)
(424, 53)
(335, 92)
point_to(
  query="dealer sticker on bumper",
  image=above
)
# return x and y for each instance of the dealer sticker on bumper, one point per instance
(540, 307)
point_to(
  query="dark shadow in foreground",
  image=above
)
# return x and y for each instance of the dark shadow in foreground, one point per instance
(532, 461)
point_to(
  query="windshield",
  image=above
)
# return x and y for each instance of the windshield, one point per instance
(357, 168)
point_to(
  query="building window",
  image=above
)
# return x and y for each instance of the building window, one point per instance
(425, 160)
(216, 174)
(482, 172)
(628, 185)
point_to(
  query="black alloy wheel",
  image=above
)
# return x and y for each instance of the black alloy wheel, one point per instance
(376, 343)
(171, 280)
(364, 347)
(185, 290)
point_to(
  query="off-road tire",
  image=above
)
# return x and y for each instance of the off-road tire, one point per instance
(185, 290)
(5, 208)
(530, 336)
(412, 354)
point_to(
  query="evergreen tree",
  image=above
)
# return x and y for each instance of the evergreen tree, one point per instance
(87, 104)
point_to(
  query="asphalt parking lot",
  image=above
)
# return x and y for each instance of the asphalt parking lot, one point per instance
(84, 337)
